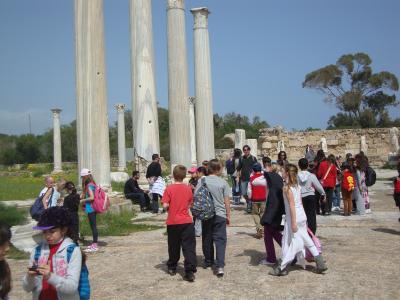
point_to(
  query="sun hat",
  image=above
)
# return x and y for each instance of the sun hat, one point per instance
(192, 170)
(53, 217)
(85, 172)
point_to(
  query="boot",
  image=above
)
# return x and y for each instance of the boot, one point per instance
(321, 267)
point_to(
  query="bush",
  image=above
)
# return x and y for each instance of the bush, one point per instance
(11, 215)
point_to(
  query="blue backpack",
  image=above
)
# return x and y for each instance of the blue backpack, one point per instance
(203, 203)
(84, 284)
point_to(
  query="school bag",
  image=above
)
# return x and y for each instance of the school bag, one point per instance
(370, 176)
(101, 202)
(230, 166)
(37, 207)
(84, 283)
(203, 202)
(309, 257)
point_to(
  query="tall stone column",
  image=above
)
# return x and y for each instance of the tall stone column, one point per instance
(203, 85)
(91, 94)
(144, 103)
(253, 146)
(179, 128)
(192, 101)
(56, 140)
(121, 136)
(240, 138)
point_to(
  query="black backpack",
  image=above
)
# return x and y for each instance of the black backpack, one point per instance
(370, 176)
(230, 166)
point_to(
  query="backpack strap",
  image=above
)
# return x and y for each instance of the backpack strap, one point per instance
(70, 249)
(38, 249)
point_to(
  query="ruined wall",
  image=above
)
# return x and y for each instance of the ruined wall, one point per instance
(377, 145)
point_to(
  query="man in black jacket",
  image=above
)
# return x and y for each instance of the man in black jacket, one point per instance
(134, 192)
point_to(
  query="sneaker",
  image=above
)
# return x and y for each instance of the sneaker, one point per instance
(220, 272)
(207, 265)
(368, 211)
(92, 248)
(189, 276)
(265, 262)
(172, 272)
(278, 272)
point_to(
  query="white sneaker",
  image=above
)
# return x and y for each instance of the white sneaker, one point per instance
(91, 248)
(368, 211)
(264, 262)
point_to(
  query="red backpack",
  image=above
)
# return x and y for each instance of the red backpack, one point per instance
(101, 201)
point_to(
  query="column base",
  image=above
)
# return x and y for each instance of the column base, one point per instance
(55, 171)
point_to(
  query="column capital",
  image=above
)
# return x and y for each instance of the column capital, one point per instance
(192, 100)
(56, 111)
(120, 107)
(200, 15)
(176, 4)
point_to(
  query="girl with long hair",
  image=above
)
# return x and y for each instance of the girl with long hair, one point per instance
(295, 235)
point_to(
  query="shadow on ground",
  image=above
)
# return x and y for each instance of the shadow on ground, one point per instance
(387, 230)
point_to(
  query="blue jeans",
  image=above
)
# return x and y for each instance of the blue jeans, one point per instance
(214, 232)
(236, 190)
(336, 196)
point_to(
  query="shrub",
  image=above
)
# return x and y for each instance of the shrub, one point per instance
(11, 215)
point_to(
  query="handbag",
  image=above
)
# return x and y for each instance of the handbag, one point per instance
(317, 244)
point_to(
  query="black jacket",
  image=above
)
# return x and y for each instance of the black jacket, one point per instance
(153, 170)
(274, 207)
(132, 186)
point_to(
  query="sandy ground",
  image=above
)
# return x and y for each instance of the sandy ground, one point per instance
(362, 255)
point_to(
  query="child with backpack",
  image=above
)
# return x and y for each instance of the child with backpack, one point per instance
(55, 265)
(177, 199)
(396, 184)
(348, 184)
(257, 192)
(87, 198)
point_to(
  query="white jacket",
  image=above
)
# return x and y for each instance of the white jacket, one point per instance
(65, 276)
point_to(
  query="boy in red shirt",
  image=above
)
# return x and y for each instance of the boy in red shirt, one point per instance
(177, 199)
(256, 191)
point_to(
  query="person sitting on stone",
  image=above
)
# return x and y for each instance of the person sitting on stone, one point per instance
(133, 192)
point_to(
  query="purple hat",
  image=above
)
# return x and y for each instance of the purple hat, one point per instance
(42, 227)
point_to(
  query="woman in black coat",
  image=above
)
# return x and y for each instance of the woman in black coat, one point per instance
(274, 210)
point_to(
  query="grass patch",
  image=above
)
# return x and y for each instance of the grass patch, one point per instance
(109, 224)
(21, 187)
(12, 215)
(117, 186)
(14, 253)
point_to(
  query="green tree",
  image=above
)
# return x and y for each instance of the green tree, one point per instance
(27, 149)
(360, 95)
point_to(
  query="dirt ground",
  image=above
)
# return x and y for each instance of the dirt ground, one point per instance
(362, 254)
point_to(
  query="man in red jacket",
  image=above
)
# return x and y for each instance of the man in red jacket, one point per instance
(257, 192)
(326, 174)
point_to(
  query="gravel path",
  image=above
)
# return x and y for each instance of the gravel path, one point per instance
(362, 255)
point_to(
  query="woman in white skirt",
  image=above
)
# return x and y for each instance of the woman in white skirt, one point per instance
(295, 235)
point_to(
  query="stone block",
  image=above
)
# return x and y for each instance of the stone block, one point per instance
(273, 138)
(266, 145)
(332, 142)
(119, 176)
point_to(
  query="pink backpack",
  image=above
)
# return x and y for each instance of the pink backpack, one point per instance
(101, 202)
(317, 244)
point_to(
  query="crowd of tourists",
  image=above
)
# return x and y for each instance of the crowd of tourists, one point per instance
(283, 199)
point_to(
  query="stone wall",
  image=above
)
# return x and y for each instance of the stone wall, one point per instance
(377, 145)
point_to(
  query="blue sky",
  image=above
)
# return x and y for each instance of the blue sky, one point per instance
(260, 52)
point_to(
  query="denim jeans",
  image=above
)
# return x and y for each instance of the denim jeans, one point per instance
(336, 196)
(214, 232)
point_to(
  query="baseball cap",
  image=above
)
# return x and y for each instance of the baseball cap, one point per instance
(257, 167)
(192, 170)
(85, 172)
(53, 217)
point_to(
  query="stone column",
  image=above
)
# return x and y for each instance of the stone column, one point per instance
(179, 128)
(240, 138)
(203, 85)
(121, 136)
(324, 145)
(56, 140)
(253, 146)
(144, 104)
(91, 94)
(192, 124)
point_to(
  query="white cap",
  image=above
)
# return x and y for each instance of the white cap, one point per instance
(85, 172)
